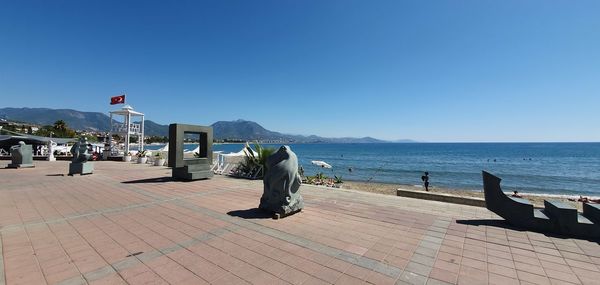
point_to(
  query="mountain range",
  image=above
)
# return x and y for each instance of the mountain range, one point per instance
(238, 129)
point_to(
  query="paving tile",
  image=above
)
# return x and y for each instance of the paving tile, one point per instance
(444, 275)
(432, 281)
(349, 280)
(313, 281)
(563, 276)
(502, 279)
(472, 275)
(418, 268)
(473, 263)
(532, 278)
(502, 270)
(378, 278)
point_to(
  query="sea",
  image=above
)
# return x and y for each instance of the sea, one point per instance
(561, 169)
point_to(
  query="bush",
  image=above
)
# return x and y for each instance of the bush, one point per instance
(255, 165)
(142, 153)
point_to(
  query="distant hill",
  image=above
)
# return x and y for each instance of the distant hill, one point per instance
(78, 120)
(244, 130)
(43, 116)
(95, 121)
(153, 129)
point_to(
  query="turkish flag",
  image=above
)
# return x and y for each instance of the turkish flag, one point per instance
(117, 100)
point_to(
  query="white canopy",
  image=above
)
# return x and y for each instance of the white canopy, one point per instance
(321, 163)
(164, 148)
(126, 110)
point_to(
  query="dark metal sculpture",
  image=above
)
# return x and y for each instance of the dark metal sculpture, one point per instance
(555, 217)
(21, 156)
(190, 168)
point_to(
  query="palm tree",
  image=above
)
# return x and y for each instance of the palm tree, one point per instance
(60, 125)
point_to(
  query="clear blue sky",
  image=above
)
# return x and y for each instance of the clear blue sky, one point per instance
(424, 70)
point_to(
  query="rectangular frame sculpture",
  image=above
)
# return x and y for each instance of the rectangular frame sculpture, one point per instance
(190, 168)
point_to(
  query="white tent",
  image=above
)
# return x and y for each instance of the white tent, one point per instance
(228, 161)
(164, 148)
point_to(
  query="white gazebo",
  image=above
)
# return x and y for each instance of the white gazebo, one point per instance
(128, 128)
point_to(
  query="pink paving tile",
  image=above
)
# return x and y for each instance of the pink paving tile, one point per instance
(376, 255)
(314, 281)
(472, 274)
(502, 270)
(349, 280)
(378, 278)
(501, 261)
(132, 272)
(562, 276)
(582, 265)
(550, 266)
(358, 272)
(532, 278)
(109, 280)
(517, 258)
(146, 278)
(473, 263)
(496, 279)
(293, 276)
(448, 266)
(444, 275)
(355, 249)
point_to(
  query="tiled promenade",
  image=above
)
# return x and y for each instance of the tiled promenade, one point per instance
(125, 224)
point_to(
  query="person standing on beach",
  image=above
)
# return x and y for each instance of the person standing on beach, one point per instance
(425, 179)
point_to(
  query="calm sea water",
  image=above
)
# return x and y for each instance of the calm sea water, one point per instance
(550, 168)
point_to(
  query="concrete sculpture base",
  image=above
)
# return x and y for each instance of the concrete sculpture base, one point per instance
(282, 181)
(192, 172)
(82, 168)
(21, 165)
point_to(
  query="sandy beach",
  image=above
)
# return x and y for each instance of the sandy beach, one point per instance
(390, 189)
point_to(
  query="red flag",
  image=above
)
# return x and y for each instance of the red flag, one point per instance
(117, 100)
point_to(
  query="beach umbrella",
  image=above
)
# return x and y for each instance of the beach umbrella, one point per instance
(321, 163)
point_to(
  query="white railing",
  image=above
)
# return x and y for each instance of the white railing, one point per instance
(122, 128)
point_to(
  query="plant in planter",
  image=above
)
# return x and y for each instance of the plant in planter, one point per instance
(127, 157)
(320, 178)
(142, 157)
(159, 159)
(337, 181)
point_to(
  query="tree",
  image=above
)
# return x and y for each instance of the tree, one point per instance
(60, 125)
(58, 130)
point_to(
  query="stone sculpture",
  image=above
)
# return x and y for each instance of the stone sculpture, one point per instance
(79, 163)
(281, 184)
(22, 156)
(51, 152)
(555, 217)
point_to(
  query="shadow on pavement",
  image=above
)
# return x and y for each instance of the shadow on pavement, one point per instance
(151, 180)
(254, 213)
(504, 225)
